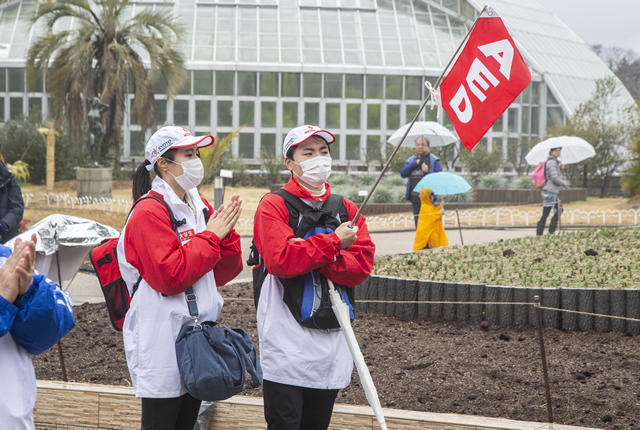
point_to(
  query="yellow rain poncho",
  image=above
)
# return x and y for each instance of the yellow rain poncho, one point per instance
(430, 230)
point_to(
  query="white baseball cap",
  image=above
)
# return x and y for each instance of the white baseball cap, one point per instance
(171, 137)
(302, 133)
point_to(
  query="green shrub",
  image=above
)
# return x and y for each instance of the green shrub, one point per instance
(340, 179)
(393, 180)
(382, 195)
(460, 198)
(352, 194)
(19, 140)
(398, 194)
(492, 181)
(365, 180)
(522, 183)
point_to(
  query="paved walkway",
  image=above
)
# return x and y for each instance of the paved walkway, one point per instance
(85, 287)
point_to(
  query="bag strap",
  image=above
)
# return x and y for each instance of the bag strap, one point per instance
(249, 354)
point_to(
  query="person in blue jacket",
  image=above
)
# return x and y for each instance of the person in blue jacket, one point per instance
(417, 167)
(34, 314)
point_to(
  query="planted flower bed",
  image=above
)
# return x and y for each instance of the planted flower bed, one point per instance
(595, 271)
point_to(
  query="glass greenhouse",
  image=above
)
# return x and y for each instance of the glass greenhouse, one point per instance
(354, 67)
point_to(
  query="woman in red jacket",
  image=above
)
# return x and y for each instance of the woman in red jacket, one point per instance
(164, 263)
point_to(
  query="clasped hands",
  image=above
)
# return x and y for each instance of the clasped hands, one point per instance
(225, 218)
(16, 276)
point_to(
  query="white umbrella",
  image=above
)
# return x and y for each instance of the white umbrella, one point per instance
(341, 310)
(574, 150)
(436, 134)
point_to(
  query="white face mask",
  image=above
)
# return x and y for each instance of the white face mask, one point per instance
(315, 171)
(192, 173)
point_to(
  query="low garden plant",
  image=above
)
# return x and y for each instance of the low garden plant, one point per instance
(598, 258)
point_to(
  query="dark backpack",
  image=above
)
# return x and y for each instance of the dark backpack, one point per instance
(104, 259)
(307, 296)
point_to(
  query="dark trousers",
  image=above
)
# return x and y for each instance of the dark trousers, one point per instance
(288, 407)
(175, 413)
(415, 206)
(543, 220)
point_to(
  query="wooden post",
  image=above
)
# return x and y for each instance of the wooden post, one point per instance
(51, 158)
(544, 359)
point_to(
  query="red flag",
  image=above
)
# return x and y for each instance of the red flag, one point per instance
(485, 79)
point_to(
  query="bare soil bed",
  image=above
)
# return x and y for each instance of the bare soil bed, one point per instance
(425, 365)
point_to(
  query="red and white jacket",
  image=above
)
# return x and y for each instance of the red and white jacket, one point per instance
(290, 353)
(149, 247)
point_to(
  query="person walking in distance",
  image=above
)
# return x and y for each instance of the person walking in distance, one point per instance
(415, 168)
(550, 191)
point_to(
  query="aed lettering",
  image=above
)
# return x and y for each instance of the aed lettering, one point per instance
(502, 51)
(484, 81)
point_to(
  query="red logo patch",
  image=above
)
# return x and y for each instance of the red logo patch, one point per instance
(185, 236)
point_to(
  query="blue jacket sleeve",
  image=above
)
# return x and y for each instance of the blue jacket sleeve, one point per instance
(7, 314)
(409, 166)
(45, 315)
(436, 166)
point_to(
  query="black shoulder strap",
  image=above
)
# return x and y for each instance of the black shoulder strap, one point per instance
(298, 205)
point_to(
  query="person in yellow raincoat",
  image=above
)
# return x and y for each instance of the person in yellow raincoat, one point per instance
(430, 231)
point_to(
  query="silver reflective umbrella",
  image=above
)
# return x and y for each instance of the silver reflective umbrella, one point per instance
(437, 134)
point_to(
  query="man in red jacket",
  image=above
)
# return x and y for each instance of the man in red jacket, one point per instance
(305, 367)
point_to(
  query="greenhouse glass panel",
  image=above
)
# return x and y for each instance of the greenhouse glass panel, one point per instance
(332, 112)
(247, 83)
(373, 148)
(312, 83)
(159, 84)
(374, 58)
(290, 114)
(332, 85)
(181, 113)
(333, 57)
(133, 119)
(497, 126)
(7, 22)
(431, 60)
(247, 54)
(245, 145)
(554, 116)
(512, 120)
(268, 41)
(535, 120)
(203, 113)
(202, 83)
(525, 123)
(551, 99)
(446, 121)
(225, 113)
(3, 83)
(411, 111)
(225, 83)
(203, 53)
(312, 56)
(35, 105)
(312, 113)
(375, 86)
(246, 113)
(393, 58)
(268, 144)
(290, 84)
(16, 80)
(353, 147)
(393, 87)
(373, 117)
(535, 93)
(513, 149)
(526, 94)
(290, 55)
(353, 115)
(429, 114)
(136, 143)
(269, 55)
(269, 84)
(38, 85)
(393, 117)
(161, 112)
(185, 88)
(368, 4)
(353, 86)
(413, 87)
(268, 114)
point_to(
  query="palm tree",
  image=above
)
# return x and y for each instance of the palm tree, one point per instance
(103, 56)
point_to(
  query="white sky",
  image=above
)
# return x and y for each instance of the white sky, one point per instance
(609, 23)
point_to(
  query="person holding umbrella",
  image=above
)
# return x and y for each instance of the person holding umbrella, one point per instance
(550, 191)
(417, 167)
